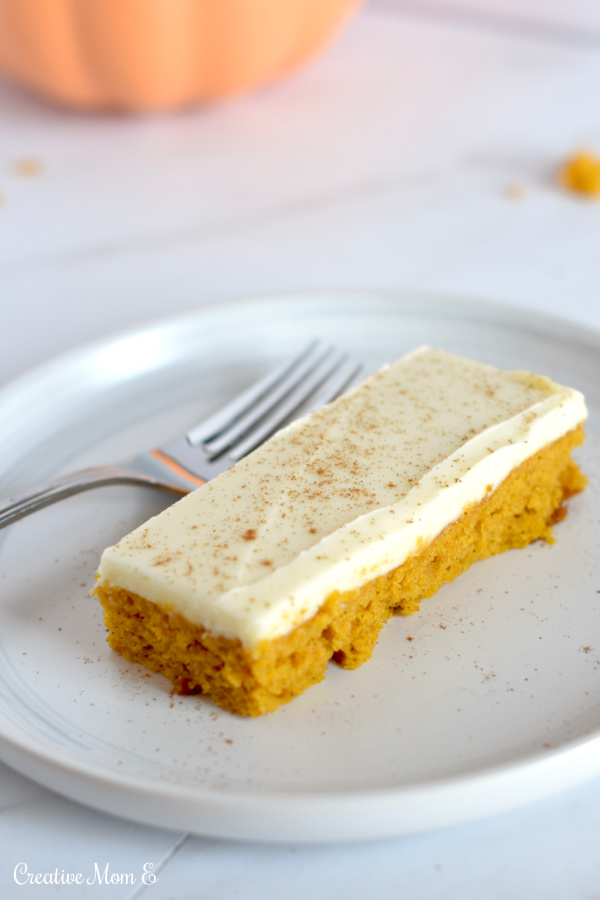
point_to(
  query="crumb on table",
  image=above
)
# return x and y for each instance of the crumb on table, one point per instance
(515, 192)
(27, 167)
(581, 173)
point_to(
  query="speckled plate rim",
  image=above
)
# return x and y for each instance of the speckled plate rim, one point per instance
(308, 817)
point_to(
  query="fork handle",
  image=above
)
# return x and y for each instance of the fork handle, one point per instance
(96, 476)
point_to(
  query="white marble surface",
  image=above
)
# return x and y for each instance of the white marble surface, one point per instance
(420, 152)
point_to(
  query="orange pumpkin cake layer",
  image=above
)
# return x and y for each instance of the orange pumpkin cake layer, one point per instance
(245, 589)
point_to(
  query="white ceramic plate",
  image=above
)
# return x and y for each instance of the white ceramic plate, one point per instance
(487, 699)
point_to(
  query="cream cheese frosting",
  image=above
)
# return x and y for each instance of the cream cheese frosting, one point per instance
(341, 496)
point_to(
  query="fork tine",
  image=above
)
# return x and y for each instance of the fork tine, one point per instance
(325, 383)
(317, 377)
(294, 380)
(335, 385)
(226, 415)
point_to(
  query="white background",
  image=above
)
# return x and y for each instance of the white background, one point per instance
(421, 151)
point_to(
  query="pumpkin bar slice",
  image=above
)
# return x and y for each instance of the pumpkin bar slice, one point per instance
(246, 588)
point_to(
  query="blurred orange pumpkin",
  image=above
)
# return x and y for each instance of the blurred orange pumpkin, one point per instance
(157, 54)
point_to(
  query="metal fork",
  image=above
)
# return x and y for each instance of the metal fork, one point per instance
(310, 379)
